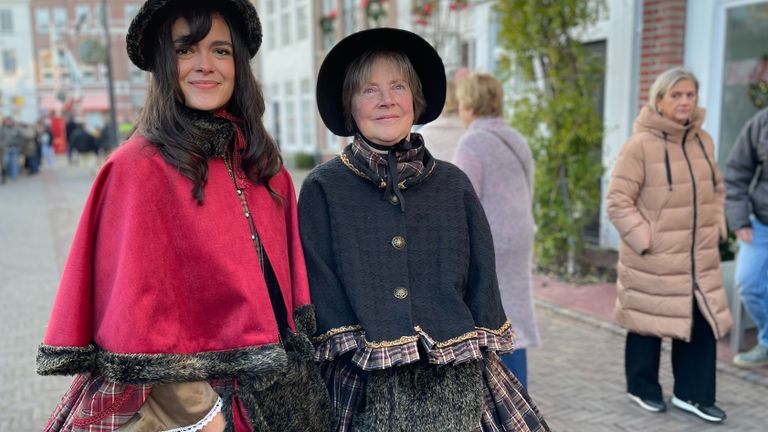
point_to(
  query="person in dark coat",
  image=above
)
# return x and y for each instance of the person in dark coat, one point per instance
(83, 141)
(69, 128)
(746, 206)
(400, 258)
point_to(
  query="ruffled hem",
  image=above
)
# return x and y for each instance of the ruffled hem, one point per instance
(383, 355)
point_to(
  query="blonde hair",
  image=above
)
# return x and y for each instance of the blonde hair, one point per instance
(481, 93)
(451, 103)
(666, 81)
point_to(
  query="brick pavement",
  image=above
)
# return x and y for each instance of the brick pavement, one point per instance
(37, 216)
(576, 377)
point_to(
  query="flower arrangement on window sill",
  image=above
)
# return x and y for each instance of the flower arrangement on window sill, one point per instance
(424, 9)
(326, 22)
(374, 9)
(458, 5)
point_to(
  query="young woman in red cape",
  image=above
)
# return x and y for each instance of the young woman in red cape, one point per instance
(186, 283)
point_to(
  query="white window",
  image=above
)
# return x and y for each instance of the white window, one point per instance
(269, 35)
(350, 16)
(137, 75)
(270, 6)
(9, 61)
(285, 27)
(99, 11)
(301, 23)
(307, 114)
(6, 21)
(60, 18)
(131, 9)
(83, 15)
(290, 116)
(42, 20)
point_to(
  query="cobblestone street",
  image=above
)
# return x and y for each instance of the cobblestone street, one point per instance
(577, 377)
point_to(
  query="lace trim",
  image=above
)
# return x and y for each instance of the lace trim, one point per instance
(334, 331)
(202, 423)
(392, 343)
(499, 331)
(368, 356)
(452, 341)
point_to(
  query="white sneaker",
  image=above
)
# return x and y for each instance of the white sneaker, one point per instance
(647, 404)
(711, 413)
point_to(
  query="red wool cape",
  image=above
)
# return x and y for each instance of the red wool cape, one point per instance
(159, 288)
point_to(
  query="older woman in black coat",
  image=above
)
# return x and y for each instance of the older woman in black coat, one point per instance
(400, 257)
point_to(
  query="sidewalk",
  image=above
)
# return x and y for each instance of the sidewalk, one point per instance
(595, 302)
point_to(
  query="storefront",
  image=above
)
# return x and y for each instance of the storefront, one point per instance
(727, 46)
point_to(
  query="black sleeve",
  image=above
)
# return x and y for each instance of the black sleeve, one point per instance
(482, 296)
(332, 307)
(739, 172)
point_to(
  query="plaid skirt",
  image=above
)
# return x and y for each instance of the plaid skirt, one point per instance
(506, 405)
(96, 404)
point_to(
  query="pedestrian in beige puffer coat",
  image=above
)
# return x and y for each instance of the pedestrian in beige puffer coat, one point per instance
(666, 199)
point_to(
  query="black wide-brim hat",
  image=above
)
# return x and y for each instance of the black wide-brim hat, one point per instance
(143, 29)
(425, 60)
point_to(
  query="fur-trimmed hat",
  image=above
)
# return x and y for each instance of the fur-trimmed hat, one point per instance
(143, 29)
(425, 60)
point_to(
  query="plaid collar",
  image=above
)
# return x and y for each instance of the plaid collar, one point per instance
(413, 166)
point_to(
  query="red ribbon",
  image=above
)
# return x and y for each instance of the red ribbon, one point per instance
(236, 155)
(239, 414)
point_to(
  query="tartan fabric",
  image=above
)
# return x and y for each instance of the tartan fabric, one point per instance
(346, 385)
(370, 358)
(506, 405)
(409, 163)
(96, 404)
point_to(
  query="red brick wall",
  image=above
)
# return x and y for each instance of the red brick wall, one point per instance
(662, 41)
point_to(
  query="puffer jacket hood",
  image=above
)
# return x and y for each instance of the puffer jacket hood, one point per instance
(666, 200)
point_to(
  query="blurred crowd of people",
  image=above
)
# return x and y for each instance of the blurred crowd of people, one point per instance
(26, 148)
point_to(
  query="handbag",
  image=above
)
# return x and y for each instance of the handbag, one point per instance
(298, 399)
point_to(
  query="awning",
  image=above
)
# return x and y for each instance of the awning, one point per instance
(88, 102)
(94, 102)
(50, 103)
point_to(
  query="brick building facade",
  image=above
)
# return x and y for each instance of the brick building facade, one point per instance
(68, 36)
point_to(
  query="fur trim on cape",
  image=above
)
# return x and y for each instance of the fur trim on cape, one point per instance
(304, 320)
(53, 360)
(259, 366)
(297, 401)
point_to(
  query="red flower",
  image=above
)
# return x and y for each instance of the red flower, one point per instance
(421, 21)
(364, 4)
(427, 8)
(332, 14)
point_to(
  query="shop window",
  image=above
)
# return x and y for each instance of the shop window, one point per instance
(6, 21)
(9, 62)
(745, 71)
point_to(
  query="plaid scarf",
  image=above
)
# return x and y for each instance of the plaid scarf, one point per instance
(408, 159)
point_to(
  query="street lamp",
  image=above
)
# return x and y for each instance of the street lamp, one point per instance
(110, 83)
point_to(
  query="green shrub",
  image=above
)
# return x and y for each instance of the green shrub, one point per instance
(556, 112)
(304, 160)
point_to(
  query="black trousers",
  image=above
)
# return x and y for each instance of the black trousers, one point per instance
(693, 364)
